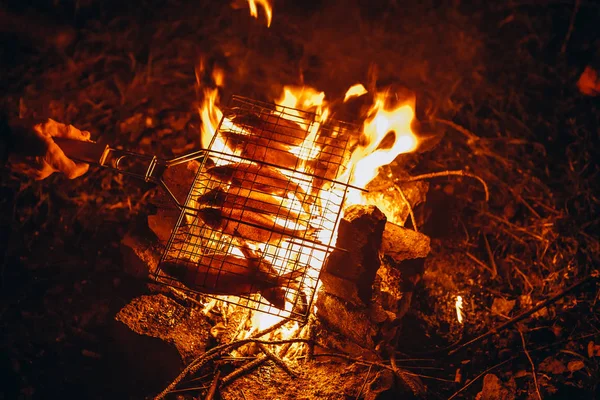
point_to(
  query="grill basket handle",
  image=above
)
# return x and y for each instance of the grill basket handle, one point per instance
(88, 152)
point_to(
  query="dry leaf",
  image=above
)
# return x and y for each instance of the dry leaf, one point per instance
(575, 365)
(552, 366)
(593, 349)
(502, 306)
(588, 83)
(520, 374)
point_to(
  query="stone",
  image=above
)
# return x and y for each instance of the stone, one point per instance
(161, 317)
(140, 252)
(155, 362)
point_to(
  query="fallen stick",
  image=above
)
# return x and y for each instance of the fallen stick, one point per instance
(280, 363)
(454, 348)
(249, 367)
(213, 353)
(545, 347)
(244, 369)
(312, 335)
(448, 173)
(213, 387)
(478, 377)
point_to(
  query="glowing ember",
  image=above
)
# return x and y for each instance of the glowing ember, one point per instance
(459, 311)
(265, 4)
(355, 91)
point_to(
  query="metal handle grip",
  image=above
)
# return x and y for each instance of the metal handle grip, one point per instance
(88, 152)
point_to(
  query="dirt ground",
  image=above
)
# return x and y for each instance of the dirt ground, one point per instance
(497, 96)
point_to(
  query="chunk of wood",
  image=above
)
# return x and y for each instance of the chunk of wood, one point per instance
(349, 273)
(400, 243)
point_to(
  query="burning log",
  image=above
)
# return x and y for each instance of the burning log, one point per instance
(350, 274)
(362, 298)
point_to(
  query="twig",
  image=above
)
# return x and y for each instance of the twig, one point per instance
(515, 227)
(545, 347)
(184, 296)
(213, 387)
(242, 324)
(244, 369)
(563, 48)
(284, 349)
(537, 388)
(312, 334)
(280, 363)
(470, 135)
(364, 383)
(270, 329)
(491, 257)
(448, 173)
(481, 263)
(522, 316)
(524, 277)
(214, 353)
(462, 389)
(378, 364)
(411, 383)
(410, 210)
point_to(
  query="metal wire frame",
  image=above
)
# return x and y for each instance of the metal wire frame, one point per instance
(255, 226)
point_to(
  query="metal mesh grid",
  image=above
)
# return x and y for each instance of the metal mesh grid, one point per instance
(259, 220)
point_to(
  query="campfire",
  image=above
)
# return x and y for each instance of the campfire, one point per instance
(332, 234)
(280, 232)
(280, 229)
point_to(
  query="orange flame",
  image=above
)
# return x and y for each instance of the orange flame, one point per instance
(382, 120)
(265, 4)
(459, 309)
(355, 91)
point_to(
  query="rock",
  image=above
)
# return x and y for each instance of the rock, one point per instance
(179, 180)
(163, 318)
(155, 362)
(140, 252)
(403, 261)
(551, 365)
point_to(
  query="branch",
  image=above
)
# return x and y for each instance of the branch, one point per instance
(448, 173)
(523, 315)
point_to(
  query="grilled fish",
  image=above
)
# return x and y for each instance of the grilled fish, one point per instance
(259, 177)
(273, 127)
(261, 149)
(222, 274)
(251, 226)
(260, 202)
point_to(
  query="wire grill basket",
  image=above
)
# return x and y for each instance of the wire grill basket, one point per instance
(260, 217)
